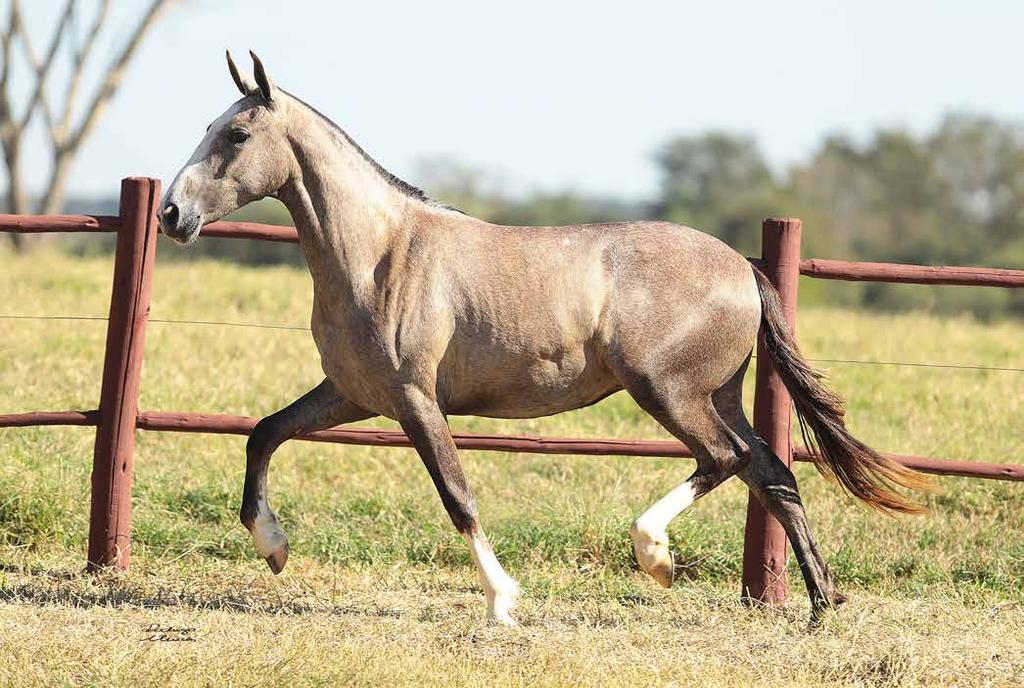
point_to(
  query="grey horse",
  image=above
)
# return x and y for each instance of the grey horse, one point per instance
(421, 312)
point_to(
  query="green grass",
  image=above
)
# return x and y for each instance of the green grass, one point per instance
(363, 521)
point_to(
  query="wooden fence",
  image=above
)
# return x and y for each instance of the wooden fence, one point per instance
(118, 416)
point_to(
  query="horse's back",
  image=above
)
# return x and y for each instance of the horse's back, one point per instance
(550, 316)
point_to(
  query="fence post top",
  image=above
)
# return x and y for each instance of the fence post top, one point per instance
(783, 221)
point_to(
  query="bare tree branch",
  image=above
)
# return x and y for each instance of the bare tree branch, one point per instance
(78, 67)
(10, 140)
(114, 76)
(7, 37)
(42, 70)
(66, 136)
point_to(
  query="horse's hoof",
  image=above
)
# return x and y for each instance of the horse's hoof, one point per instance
(270, 541)
(505, 620)
(653, 555)
(821, 609)
(500, 604)
(277, 560)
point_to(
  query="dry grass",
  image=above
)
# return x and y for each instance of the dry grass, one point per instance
(322, 626)
(379, 590)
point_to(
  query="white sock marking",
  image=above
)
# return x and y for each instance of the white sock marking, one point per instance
(499, 587)
(650, 534)
(653, 523)
(267, 534)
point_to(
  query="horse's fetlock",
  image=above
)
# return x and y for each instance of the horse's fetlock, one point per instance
(247, 515)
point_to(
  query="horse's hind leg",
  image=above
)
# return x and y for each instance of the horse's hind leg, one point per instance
(320, 408)
(720, 453)
(775, 486)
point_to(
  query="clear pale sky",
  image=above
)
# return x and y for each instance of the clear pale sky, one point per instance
(555, 94)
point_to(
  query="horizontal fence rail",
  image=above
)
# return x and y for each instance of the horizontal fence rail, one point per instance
(112, 465)
(819, 268)
(250, 230)
(225, 424)
(37, 224)
(28, 420)
(910, 274)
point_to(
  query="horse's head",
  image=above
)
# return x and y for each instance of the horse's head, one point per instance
(243, 157)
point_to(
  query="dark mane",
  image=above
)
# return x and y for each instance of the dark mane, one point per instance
(400, 184)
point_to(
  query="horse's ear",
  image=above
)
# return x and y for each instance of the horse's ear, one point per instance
(240, 81)
(262, 80)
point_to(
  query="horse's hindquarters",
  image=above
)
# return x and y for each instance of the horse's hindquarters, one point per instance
(686, 307)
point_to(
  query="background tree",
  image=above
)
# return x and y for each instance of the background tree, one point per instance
(67, 127)
(719, 183)
(979, 161)
(469, 188)
(954, 196)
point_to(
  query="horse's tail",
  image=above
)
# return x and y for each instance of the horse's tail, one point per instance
(862, 471)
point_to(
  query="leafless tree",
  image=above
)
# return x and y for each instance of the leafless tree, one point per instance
(67, 129)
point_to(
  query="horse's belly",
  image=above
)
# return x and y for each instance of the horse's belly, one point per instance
(501, 385)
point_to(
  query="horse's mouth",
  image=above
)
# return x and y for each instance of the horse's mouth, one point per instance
(183, 234)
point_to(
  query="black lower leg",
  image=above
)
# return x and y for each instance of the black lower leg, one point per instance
(774, 484)
(322, 407)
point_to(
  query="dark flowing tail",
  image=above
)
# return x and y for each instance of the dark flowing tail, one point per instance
(837, 454)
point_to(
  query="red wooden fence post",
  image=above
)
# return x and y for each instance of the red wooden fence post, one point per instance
(111, 513)
(764, 547)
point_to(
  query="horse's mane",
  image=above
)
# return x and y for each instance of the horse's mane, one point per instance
(396, 182)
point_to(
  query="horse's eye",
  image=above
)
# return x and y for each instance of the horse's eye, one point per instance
(238, 136)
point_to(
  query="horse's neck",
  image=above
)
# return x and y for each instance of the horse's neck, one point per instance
(345, 213)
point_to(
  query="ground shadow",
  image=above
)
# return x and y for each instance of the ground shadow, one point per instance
(82, 590)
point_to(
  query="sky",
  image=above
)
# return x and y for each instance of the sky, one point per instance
(551, 95)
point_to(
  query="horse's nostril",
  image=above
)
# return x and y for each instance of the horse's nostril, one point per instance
(170, 216)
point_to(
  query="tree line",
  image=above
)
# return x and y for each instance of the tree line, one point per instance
(952, 196)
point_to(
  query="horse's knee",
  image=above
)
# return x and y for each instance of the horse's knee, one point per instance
(264, 438)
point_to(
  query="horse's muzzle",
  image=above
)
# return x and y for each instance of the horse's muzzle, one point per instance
(178, 227)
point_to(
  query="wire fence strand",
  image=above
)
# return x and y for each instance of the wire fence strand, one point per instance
(301, 328)
(262, 326)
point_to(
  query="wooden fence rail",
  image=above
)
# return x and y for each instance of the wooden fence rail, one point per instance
(38, 224)
(910, 274)
(223, 424)
(118, 416)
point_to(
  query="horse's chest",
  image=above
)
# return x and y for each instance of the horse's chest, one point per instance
(355, 364)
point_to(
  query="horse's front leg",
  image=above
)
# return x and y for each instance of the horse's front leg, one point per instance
(320, 408)
(425, 424)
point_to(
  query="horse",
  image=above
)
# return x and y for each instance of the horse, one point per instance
(421, 311)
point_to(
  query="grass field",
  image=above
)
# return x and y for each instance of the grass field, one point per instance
(379, 589)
